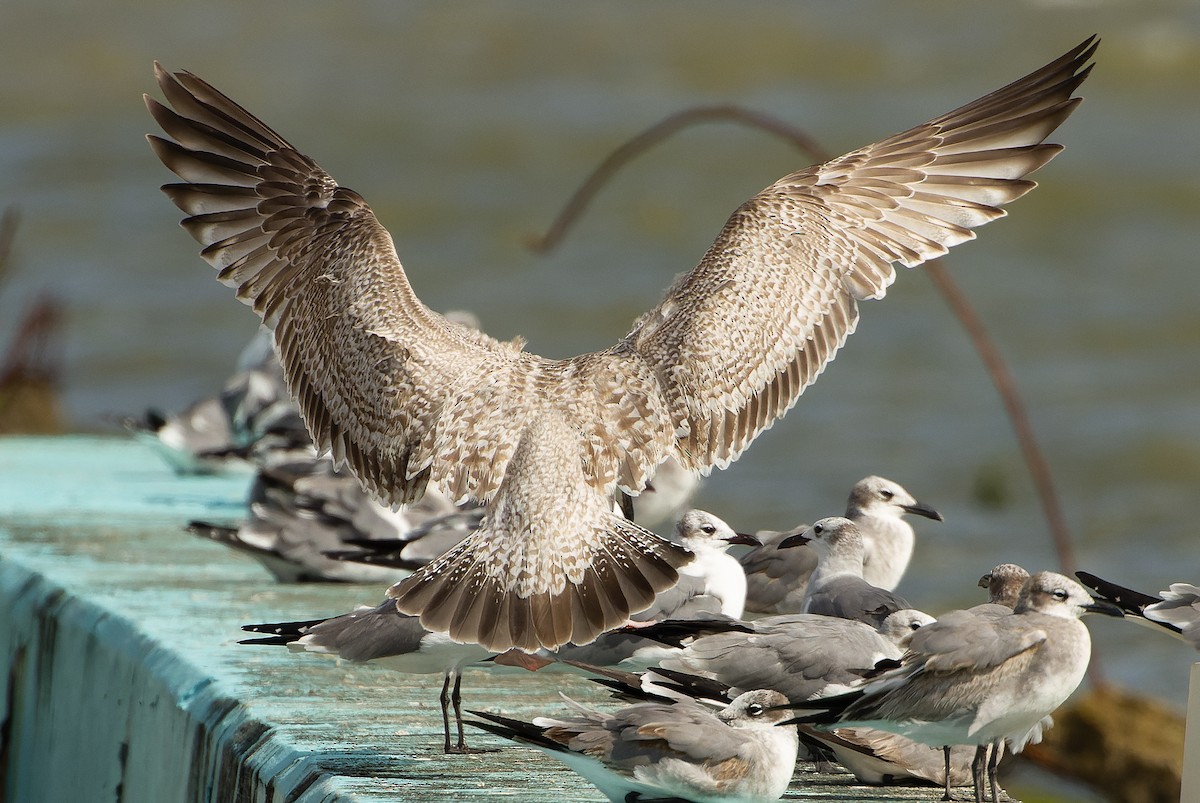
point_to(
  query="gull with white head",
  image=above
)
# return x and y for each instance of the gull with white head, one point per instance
(777, 576)
(979, 679)
(670, 751)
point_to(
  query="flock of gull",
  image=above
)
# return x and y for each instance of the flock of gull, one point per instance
(506, 497)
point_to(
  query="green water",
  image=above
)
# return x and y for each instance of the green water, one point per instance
(467, 124)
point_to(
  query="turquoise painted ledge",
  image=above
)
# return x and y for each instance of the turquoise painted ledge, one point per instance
(125, 681)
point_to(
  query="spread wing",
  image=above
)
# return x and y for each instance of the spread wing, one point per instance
(736, 340)
(407, 397)
(373, 369)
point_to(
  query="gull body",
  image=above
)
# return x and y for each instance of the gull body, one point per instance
(408, 399)
(384, 637)
(837, 586)
(664, 751)
(778, 577)
(301, 508)
(980, 679)
(214, 433)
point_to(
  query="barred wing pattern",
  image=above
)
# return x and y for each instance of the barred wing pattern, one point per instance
(742, 335)
(406, 397)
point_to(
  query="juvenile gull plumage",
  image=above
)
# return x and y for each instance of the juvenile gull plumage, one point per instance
(385, 637)
(408, 399)
(776, 577)
(977, 678)
(712, 583)
(1003, 583)
(1176, 610)
(663, 751)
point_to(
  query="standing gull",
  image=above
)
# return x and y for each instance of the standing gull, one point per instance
(665, 752)
(385, 637)
(1176, 610)
(408, 399)
(980, 679)
(776, 577)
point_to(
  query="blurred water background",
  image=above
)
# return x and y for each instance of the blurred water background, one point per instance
(467, 124)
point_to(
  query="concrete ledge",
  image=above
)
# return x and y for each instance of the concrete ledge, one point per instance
(124, 681)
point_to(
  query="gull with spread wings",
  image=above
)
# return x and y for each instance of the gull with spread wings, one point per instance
(407, 398)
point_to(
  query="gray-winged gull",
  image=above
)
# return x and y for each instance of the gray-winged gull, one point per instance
(385, 637)
(776, 578)
(665, 751)
(837, 587)
(979, 679)
(301, 508)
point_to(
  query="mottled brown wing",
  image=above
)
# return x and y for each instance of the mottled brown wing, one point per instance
(736, 340)
(371, 366)
(551, 562)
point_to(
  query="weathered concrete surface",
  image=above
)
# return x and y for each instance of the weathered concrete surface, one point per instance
(125, 682)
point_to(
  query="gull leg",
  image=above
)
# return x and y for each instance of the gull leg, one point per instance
(993, 763)
(946, 753)
(456, 700)
(978, 769)
(444, 700)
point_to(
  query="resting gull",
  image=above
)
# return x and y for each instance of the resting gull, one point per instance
(837, 587)
(979, 679)
(777, 577)
(670, 751)
(408, 399)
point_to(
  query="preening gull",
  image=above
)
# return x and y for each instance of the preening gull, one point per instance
(409, 399)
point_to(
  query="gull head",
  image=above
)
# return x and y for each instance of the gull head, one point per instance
(761, 708)
(1053, 594)
(699, 529)
(876, 496)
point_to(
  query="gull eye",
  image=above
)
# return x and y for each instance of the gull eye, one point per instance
(755, 710)
(818, 529)
(1059, 594)
(914, 626)
(886, 494)
(708, 529)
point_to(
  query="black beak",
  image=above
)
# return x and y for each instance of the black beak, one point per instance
(1104, 607)
(794, 540)
(922, 509)
(742, 538)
